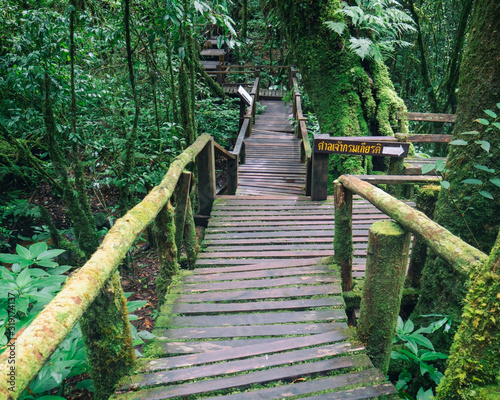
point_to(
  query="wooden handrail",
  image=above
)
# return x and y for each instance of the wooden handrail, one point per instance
(424, 138)
(461, 255)
(223, 152)
(47, 331)
(430, 117)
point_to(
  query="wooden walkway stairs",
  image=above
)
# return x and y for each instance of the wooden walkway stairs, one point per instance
(262, 315)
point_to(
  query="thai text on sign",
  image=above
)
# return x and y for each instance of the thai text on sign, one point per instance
(359, 147)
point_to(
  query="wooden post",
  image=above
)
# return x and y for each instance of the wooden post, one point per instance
(206, 178)
(232, 175)
(426, 203)
(248, 131)
(218, 69)
(319, 175)
(387, 258)
(308, 176)
(181, 204)
(342, 241)
(190, 243)
(107, 337)
(165, 238)
(243, 111)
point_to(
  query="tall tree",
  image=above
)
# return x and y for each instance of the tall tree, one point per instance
(351, 97)
(469, 204)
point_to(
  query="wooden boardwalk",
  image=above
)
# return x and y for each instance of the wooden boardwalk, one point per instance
(262, 315)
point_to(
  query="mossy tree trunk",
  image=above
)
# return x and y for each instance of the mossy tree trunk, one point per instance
(350, 97)
(442, 291)
(474, 360)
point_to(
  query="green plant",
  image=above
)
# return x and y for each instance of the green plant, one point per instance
(412, 346)
(32, 282)
(377, 27)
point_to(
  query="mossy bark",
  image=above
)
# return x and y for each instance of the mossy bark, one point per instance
(387, 257)
(107, 337)
(342, 241)
(350, 97)
(164, 232)
(426, 203)
(442, 291)
(474, 360)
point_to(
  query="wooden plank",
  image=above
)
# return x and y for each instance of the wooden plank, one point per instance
(247, 331)
(432, 117)
(228, 276)
(244, 235)
(259, 377)
(367, 392)
(311, 386)
(233, 367)
(196, 308)
(275, 293)
(398, 179)
(193, 346)
(258, 318)
(259, 283)
(425, 138)
(281, 253)
(241, 351)
(255, 265)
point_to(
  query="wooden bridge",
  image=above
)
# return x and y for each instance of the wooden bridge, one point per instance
(261, 316)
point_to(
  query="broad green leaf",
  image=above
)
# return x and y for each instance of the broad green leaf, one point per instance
(408, 327)
(396, 355)
(495, 181)
(427, 395)
(412, 345)
(483, 121)
(492, 114)
(24, 252)
(484, 168)
(472, 181)
(409, 354)
(459, 142)
(445, 184)
(10, 258)
(486, 194)
(496, 124)
(498, 105)
(38, 248)
(49, 254)
(433, 355)
(484, 144)
(23, 278)
(426, 168)
(422, 340)
(146, 335)
(439, 165)
(135, 305)
(47, 264)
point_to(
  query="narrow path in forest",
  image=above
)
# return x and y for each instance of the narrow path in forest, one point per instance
(262, 315)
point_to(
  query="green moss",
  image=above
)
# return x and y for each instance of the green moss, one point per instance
(107, 338)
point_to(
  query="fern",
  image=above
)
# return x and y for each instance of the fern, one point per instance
(379, 27)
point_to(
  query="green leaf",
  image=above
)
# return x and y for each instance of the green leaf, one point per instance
(496, 124)
(433, 355)
(24, 252)
(482, 121)
(492, 114)
(445, 184)
(470, 133)
(396, 355)
(459, 142)
(408, 326)
(49, 254)
(23, 278)
(426, 168)
(422, 340)
(498, 105)
(486, 194)
(337, 27)
(9, 258)
(439, 165)
(484, 168)
(135, 305)
(495, 181)
(427, 395)
(484, 144)
(472, 181)
(38, 248)
(146, 335)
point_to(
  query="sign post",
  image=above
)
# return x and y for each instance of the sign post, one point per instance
(244, 95)
(359, 146)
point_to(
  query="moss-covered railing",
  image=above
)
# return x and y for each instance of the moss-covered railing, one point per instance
(94, 292)
(473, 363)
(301, 129)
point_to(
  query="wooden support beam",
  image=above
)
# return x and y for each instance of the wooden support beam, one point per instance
(387, 258)
(181, 203)
(342, 242)
(206, 178)
(319, 174)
